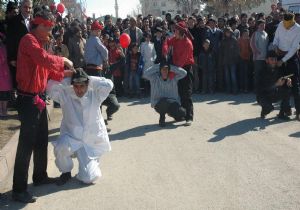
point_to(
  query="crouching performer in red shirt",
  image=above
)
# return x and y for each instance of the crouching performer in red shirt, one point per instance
(34, 67)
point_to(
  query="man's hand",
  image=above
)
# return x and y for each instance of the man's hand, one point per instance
(279, 63)
(280, 82)
(68, 63)
(69, 73)
(105, 65)
(13, 63)
(289, 82)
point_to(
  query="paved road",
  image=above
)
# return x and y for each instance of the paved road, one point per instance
(228, 159)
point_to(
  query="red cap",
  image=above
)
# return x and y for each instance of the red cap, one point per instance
(181, 26)
(96, 26)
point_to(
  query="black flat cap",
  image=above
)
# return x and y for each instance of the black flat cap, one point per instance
(79, 76)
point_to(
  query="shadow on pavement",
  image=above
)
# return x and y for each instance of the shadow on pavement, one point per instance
(295, 135)
(141, 131)
(242, 127)
(6, 202)
(54, 130)
(52, 138)
(221, 97)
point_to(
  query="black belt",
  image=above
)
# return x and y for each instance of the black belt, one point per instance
(24, 93)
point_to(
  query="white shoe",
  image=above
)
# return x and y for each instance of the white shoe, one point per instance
(188, 123)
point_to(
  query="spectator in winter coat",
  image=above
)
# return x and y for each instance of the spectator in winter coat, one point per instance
(230, 57)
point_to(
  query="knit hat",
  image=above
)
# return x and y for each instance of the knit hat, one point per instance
(158, 29)
(164, 63)
(181, 26)
(96, 26)
(79, 76)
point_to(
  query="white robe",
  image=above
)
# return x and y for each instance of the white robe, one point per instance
(82, 124)
(149, 54)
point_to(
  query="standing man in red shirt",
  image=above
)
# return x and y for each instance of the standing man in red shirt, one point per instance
(180, 48)
(34, 67)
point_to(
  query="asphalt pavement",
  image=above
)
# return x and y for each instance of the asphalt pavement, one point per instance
(228, 158)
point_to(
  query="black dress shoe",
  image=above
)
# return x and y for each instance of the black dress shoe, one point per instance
(162, 120)
(64, 178)
(47, 180)
(23, 197)
(283, 116)
(265, 111)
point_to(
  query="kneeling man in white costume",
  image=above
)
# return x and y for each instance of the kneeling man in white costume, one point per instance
(82, 133)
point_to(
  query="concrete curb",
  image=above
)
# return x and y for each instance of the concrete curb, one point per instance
(8, 154)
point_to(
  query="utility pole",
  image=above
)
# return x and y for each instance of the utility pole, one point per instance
(117, 8)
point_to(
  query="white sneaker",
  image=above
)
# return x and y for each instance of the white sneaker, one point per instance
(188, 123)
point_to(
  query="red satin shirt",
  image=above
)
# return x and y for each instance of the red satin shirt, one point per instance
(35, 66)
(182, 51)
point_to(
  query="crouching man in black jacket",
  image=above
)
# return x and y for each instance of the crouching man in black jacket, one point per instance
(273, 86)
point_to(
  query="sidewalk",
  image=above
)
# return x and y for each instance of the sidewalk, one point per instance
(7, 156)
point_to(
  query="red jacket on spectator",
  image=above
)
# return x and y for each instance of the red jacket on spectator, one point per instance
(245, 49)
(114, 56)
(182, 51)
(35, 66)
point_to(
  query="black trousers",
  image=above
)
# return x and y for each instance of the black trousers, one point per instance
(112, 104)
(33, 139)
(281, 94)
(118, 86)
(185, 90)
(170, 107)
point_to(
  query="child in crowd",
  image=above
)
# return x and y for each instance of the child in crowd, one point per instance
(5, 79)
(60, 49)
(105, 38)
(148, 55)
(116, 62)
(134, 70)
(245, 53)
(206, 64)
(230, 56)
(117, 35)
(158, 43)
(259, 45)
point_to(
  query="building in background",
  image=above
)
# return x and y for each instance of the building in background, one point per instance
(76, 7)
(217, 7)
(159, 7)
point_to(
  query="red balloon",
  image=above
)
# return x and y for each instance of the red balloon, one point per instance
(125, 40)
(53, 7)
(60, 8)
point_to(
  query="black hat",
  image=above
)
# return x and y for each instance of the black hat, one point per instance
(164, 63)
(260, 21)
(158, 29)
(288, 16)
(79, 76)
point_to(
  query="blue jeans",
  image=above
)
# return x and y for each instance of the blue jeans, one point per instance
(230, 78)
(134, 82)
(244, 75)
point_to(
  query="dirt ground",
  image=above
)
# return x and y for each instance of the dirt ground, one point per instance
(8, 127)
